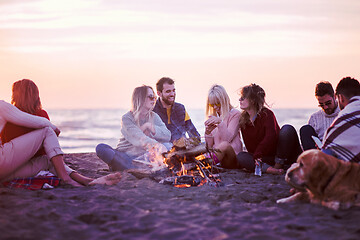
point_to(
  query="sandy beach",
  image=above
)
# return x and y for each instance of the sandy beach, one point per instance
(244, 208)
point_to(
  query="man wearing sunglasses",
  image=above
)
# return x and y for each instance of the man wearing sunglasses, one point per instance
(320, 121)
(173, 114)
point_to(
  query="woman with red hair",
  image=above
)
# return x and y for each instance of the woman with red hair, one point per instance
(23, 134)
(25, 96)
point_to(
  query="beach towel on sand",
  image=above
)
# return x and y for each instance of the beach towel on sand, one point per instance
(33, 183)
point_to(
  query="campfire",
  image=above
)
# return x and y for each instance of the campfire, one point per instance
(190, 164)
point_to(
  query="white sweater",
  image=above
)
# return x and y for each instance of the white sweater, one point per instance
(9, 113)
(133, 140)
(321, 121)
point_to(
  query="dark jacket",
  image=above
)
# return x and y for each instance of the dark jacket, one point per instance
(262, 136)
(177, 124)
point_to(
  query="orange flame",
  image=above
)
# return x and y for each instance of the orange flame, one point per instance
(201, 173)
(200, 157)
(182, 185)
(183, 169)
(203, 169)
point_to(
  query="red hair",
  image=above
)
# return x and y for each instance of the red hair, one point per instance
(25, 96)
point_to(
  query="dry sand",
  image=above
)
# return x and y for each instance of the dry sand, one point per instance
(245, 208)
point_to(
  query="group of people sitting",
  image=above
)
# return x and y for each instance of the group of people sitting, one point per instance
(337, 124)
(243, 139)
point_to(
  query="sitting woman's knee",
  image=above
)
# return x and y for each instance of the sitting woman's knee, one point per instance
(100, 148)
(105, 152)
(287, 128)
(47, 131)
(307, 130)
(287, 131)
(224, 146)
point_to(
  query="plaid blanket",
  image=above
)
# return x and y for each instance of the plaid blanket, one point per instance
(33, 183)
(343, 136)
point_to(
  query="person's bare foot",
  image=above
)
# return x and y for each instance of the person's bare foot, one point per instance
(80, 178)
(110, 179)
(275, 171)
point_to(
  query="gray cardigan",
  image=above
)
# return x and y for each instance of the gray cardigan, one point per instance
(133, 140)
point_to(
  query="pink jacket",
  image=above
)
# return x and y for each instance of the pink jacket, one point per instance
(225, 131)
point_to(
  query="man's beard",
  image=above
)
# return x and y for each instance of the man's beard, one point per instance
(328, 112)
(167, 102)
(333, 109)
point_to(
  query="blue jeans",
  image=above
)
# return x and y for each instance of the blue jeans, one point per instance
(117, 161)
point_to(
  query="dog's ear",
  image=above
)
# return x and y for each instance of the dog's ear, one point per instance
(314, 173)
(321, 173)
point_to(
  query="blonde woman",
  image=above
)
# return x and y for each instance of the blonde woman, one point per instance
(222, 127)
(141, 130)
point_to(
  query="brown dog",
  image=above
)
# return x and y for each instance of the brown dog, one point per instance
(323, 179)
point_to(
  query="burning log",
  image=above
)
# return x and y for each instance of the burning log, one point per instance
(182, 160)
(185, 165)
(146, 173)
(184, 180)
(181, 152)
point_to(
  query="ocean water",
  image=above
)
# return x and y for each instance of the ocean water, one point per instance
(83, 129)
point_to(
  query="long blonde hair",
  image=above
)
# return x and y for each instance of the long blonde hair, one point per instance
(25, 96)
(138, 100)
(256, 97)
(217, 93)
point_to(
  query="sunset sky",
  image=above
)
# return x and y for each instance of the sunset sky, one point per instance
(92, 54)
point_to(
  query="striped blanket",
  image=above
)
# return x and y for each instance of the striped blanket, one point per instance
(343, 136)
(33, 183)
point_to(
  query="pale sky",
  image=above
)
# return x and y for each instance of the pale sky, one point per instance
(92, 54)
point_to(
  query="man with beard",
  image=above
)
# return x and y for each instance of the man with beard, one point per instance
(173, 114)
(320, 121)
(342, 138)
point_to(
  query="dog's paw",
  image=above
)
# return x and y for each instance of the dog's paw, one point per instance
(335, 205)
(282, 200)
(292, 198)
(297, 197)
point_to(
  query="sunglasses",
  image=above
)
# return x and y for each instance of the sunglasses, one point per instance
(327, 103)
(152, 97)
(216, 104)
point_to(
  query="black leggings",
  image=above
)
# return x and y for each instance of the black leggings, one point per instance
(306, 132)
(288, 148)
(288, 145)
